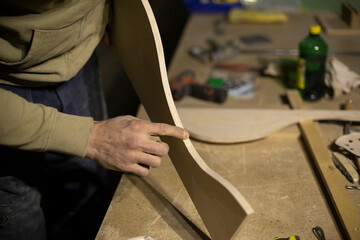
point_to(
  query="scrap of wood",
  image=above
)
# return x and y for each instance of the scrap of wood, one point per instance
(346, 211)
(219, 125)
(345, 164)
(136, 38)
(334, 25)
(350, 14)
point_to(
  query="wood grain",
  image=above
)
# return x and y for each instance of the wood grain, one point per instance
(137, 40)
(330, 178)
(219, 125)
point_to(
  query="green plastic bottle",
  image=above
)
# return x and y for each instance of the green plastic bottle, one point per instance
(311, 65)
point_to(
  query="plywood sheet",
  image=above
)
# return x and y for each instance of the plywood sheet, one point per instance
(136, 38)
(220, 125)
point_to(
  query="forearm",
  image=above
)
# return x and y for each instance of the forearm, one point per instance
(35, 127)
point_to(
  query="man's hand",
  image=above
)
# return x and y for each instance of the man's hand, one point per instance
(124, 144)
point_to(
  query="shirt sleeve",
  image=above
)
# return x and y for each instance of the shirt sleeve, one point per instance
(35, 127)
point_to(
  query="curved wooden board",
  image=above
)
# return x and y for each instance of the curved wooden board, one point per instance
(136, 38)
(218, 125)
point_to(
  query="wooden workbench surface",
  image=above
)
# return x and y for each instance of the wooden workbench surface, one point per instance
(274, 174)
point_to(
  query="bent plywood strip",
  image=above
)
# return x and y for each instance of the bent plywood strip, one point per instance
(218, 125)
(136, 38)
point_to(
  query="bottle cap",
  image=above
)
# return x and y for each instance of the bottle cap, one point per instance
(315, 29)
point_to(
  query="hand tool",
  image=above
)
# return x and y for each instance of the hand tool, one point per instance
(353, 187)
(216, 52)
(219, 52)
(185, 84)
(319, 233)
(200, 53)
(288, 238)
(342, 169)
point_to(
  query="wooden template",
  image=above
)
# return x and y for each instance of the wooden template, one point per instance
(346, 212)
(219, 125)
(137, 41)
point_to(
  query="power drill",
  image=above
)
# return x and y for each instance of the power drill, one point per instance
(186, 84)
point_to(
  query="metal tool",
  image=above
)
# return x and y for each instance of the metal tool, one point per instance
(342, 169)
(319, 233)
(216, 52)
(230, 49)
(353, 187)
(200, 53)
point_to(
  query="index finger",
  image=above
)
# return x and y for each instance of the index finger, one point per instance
(163, 129)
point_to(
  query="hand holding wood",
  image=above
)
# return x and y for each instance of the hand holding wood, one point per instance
(124, 144)
(137, 41)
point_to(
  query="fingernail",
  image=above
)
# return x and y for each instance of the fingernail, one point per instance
(186, 135)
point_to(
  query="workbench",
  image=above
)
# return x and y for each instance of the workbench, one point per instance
(274, 174)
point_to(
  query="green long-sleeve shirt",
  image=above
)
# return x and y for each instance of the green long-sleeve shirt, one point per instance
(41, 43)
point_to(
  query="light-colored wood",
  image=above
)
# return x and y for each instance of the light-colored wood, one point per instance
(137, 209)
(136, 38)
(345, 163)
(350, 14)
(330, 178)
(222, 125)
(334, 25)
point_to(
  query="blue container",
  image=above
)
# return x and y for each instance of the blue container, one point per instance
(211, 6)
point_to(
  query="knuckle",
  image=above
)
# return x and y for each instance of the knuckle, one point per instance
(156, 162)
(141, 171)
(133, 143)
(145, 172)
(129, 157)
(136, 125)
(125, 167)
(164, 149)
(162, 127)
(159, 149)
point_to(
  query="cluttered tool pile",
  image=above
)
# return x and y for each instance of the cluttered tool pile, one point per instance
(312, 60)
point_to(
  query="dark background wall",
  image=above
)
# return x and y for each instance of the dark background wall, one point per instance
(171, 17)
